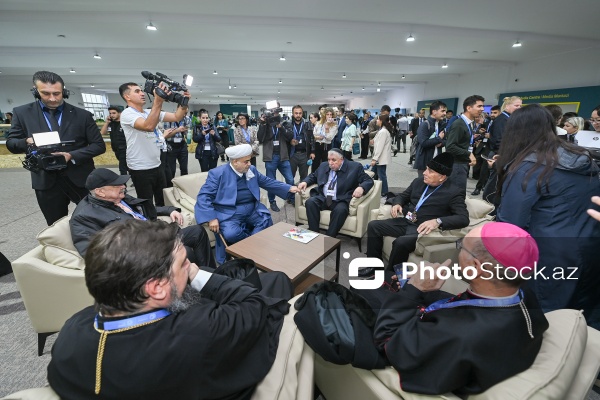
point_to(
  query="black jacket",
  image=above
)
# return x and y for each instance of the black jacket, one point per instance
(350, 176)
(306, 134)
(446, 203)
(92, 215)
(77, 124)
(496, 132)
(458, 140)
(427, 146)
(284, 135)
(200, 138)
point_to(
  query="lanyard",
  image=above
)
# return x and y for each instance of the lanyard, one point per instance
(469, 127)
(333, 180)
(296, 133)
(132, 321)
(424, 198)
(136, 215)
(46, 118)
(275, 132)
(444, 303)
(490, 125)
(505, 113)
(246, 134)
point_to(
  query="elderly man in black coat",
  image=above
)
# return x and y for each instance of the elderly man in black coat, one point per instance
(429, 203)
(338, 182)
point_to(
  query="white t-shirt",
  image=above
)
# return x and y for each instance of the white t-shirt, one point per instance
(143, 148)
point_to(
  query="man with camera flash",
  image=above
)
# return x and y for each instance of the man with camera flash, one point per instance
(144, 140)
(56, 188)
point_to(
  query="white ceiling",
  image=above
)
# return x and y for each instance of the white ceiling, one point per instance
(321, 41)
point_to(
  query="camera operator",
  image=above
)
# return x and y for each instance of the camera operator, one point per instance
(144, 141)
(117, 137)
(55, 189)
(276, 141)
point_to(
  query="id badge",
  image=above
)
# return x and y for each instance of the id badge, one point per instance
(411, 216)
(207, 147)
(177, 140)
(275, 142)
(470, 149)
(485, 140)
(330, 193)
(300, 141)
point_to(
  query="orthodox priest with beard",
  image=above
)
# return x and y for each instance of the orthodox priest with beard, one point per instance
(161, 327)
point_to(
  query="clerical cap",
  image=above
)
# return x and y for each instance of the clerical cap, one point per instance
(239, 151)
(513, 247)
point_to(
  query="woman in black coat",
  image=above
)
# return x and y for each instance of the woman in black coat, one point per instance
(206, 136)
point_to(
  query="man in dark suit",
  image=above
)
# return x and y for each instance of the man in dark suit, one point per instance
(337, 140)
(412, 133)
(55, 189)
(429, 203)
(338, 182)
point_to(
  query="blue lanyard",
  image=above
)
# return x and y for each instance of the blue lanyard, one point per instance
(246, 134)
(423, 198)
(333, 180)
(296, 133)
(132, 321)
(469, 127)
(444, 303)
(275, 133)
(139, 216)
(46, 118)
(490, 126)
(505, 113)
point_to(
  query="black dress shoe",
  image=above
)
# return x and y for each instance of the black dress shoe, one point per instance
(475, 192)
(366, 272)
(395, 152)
(274, 207)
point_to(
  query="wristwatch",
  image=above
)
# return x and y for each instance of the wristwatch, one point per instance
(439, 221)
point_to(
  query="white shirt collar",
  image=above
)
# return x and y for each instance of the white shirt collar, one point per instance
(249, 174)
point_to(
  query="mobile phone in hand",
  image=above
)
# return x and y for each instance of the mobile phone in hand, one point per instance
(399, 274)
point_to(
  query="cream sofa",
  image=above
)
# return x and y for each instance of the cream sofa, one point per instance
(359, 212)
(439, 245)
(51, 281)
(565, 368)
(290, 377)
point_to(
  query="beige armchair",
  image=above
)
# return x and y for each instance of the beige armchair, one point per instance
(439, 245)
(360, 210)
(565, 368)
(51, 281)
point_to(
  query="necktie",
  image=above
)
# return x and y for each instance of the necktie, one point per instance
(332, 184)
(52, 119)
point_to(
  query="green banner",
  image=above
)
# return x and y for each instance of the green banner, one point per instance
(581, 100)
(229, 110)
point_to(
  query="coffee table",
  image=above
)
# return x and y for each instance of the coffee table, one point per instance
(271, 251)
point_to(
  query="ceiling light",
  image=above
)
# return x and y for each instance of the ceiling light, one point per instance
(517, 44)
(92, 85)
(280, 81)
(97, 56)
(230, 84)
(279, 91)
(410, 38)
(379, 89)
(151, 27)
(344, 76)
(403, 77)
(72, 71)
(282, 58)
(235, 86)
(378, 83)
(363, 88)
(445, 65)
(322, 88)
(215, 72)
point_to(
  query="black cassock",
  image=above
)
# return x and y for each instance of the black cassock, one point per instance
(463, 350)
(217, 349)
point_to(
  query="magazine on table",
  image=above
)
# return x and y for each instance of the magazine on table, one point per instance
(301, 235)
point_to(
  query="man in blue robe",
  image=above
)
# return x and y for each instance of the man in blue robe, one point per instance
(230, 199)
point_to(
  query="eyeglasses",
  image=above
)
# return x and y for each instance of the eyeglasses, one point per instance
(594, 121)
(459, 247)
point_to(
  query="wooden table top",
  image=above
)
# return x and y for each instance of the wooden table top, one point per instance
(271, 251)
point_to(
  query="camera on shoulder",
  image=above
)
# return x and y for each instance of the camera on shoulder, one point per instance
(153, 80)
(271, 112)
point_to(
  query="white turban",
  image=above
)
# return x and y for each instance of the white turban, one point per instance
(239, 151)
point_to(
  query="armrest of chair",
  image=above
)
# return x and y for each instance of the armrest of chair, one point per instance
(51, 294)
(363, 210)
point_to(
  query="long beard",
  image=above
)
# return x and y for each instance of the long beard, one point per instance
(188, 298)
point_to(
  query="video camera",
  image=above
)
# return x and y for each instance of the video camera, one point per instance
(153, 80)
(40, 157)
(271, 108)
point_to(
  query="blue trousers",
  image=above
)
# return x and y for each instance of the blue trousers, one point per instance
(245, 222)
(284, 168)
(381, 171)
